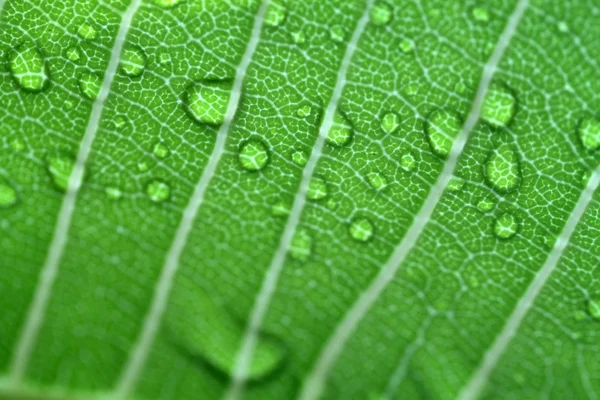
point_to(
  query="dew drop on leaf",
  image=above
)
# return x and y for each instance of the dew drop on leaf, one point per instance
(87, 31)
(8, 195)
(408, 161)
(455, 184)
(481, 14)
(28, 68)
(280, 209)
(361, 229)
(505, 226)
(89, 84)
(158, 191)
(502, 169)
(563, 27)
(164, 58)
(317, 189)
(442, 128)
(390, 122)
(73, 54)
(298, 37)
(276, 14)
(119, 121)
(499, 105)
(594, 308)
(300, 158)
(381, 14)
(69, 105)
(304, 111)
(340, 133)
(301, 246)
(113, 193)
(253, 155)
(377, 180)
(166, 3)
(207, 102)
(143, 166)
(133, 61)
(337, 34)
(160, 150)
(407, 45)
(589, 133)
(60, 168)
(486, 204)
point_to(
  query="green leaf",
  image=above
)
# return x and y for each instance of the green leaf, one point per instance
(367, 199)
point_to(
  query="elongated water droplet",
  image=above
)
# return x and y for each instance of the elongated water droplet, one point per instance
(8, 195)
(60, 168)
(317, 189)
(502, 169)
(481, 14)
(207, 102)
(300, 158)
(589, 133)
(254, 155)
(594, 308)
(390, 122)
(167, 3)
(87, 32)
(276, 14)
(506, 226)
(361, 229)
(442, 128)
(408, 161)
(160, 150)
(28, 67)
(381, 14)
(499, 105)
(407, 45)
(90, 84)
(377, 180)
(158, 191)
(133, 61)
(337, 34)
(301, 246)
(340, 133)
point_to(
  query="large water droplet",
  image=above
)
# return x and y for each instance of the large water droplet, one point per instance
(160, 150)
(28, 67)
(337, 34)
(60, 168)
(87, 31)
(317, 189)
(502, 169)
(276, 14)
(381, 14)
(442, 128)
(390, 122)
(301, 246)
(499, 105)
(158, 191)
(207, 102)
(133, 61)
(408, 162)
(594, 308)
(167, 3)
(589, 133)
(90, 84)
(340, 132)
(8, 195)
(361, 229)
(377, 180)
(506, 226)
(254, 155)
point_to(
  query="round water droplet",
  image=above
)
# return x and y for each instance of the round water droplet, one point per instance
(455, 184)
(589, 133)
(408, 162)
(317, 189)
(486, 204)
(337, 34)
(207, 102)
(69, 105)
(481, 14)
(298, 37)
(8, 195)
(167, 3)
(87, 32)
(410, 90)
(143, 166)
(60, 168)
(160, 150)
(502, 169)
(276, 14)
(304, 111)
(300, 158)
(133, 61)
(407, 45)
(73, 54)
(340, 133)
(381, 14)
(119, 121)
(113, 193)
(390, 122)
(361, 229)
(377, 180)
(89, 84)
(158, 191)
(442, 128)
(563, 27)
(506, 226)
(499, 105)
(594, 308)
(301, 246)
(254, 155)
(280, 209)
(28, 68)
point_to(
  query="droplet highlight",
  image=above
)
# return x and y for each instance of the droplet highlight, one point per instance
(60, 168)
(589, 133)
(506, 226)
(276, 14)
(317, 189)
(160, 150)
(377, 180)
(8, 195)
(90, 84)
(301, 246)
(87, 32)
(158, 191)
(408, 162)
(337, 34)
(28, 68)
(340, 133)
(253, 155)
(442, 128)
(133, 61)
(499, 105)
(390, 122)
(381, 14)
(502, 169)
(207, 102)
(361, 229)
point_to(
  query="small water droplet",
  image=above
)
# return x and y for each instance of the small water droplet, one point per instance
(442, 128)
(411, 90)
(8, 195)
(390, 122)
(207, 102)
(486, 204)
(361, 229)
(331, 204)
(28, 68)
(301, 246)
(304, 111)
(563, 27)
(408, 162)
(455, 184)
(407, 45)
(377, 180)
(337, 34)
(594, 308)
(300, 158)
(73, 54)
(473, 282)
(143, 166)
(87, 31)
(113, 193)
(167, 3)
(133, 61)
(119, 121)
(317, 189)
(499, 105)
(17, 145)
(298, 37)
(340, 133)
(69, 105)
(502, 169)
(381, 14)
(280, 209)
(164, 58)
(254, 155)
(589, 133)
(158, 191)
(89, 84)
(276, 14)
(60, 168)
(481, 14)
(506, 226)
(160, 150)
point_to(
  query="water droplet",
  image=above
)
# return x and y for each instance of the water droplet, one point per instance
(69, 105)
(133, 61)
(298, 37)
(377, 180)
(276, 14)
(331, 204)
(337, 34)
(407, 45)
(73, 54)
(160, 150)
(89, 84)
(301, 246)
(113, 193)
(486, 204)
(411, 90)
(455, 184)
(60, 168)
(300, 158)
(254, 155)
(408, 162)
(563, 27)
(340, 132)
(594, 308)
(119, 121)
(589, 133)
(164, 58)
(317, 189)
(481, 14)
(499, 105)
(143, 166)
(158, 191)
(304, 111)
(390, 122)
(502, 169)
(361, 229)
(28, 67)
(442, 128)
(381, 14)
(8, 195)
(166, 3)
(506, 226)
(473, 282)
(17, 145)
(280, 209)
(207, 102)
(87, 32)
